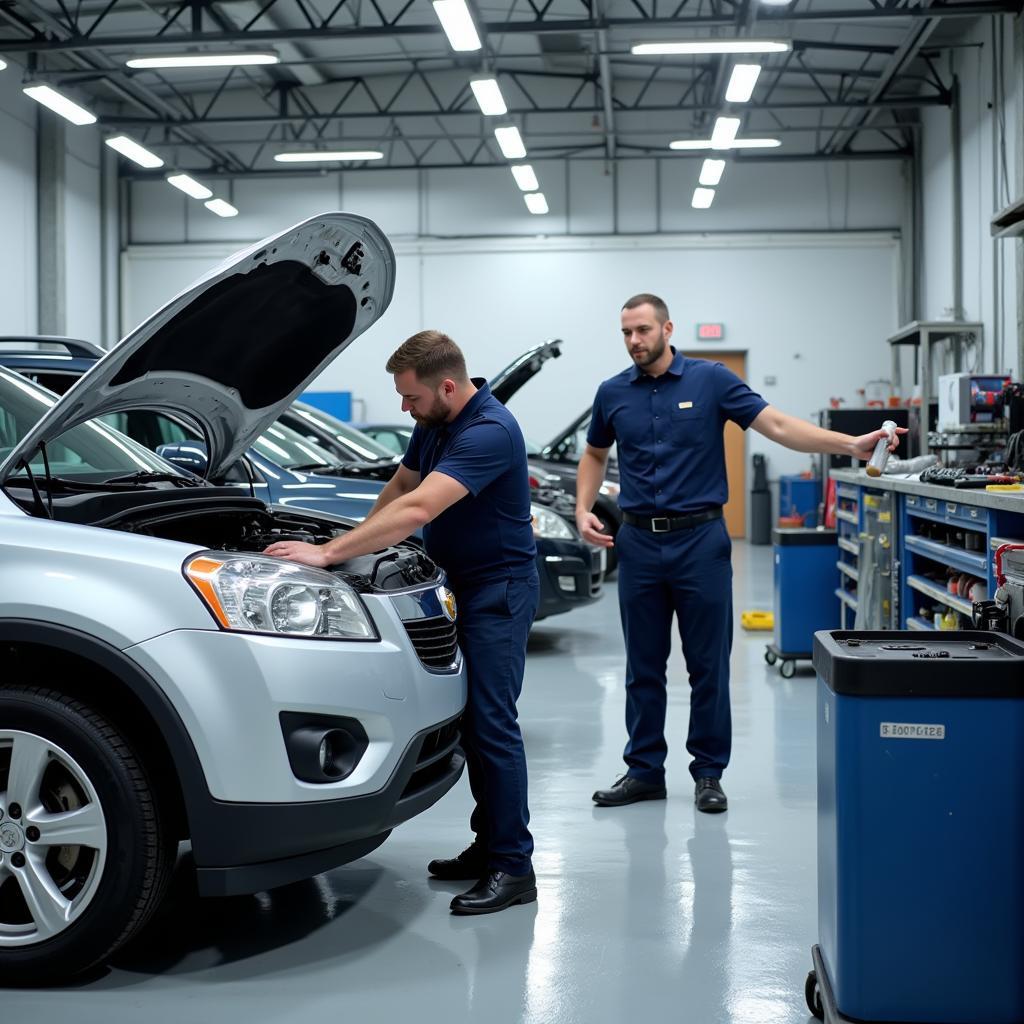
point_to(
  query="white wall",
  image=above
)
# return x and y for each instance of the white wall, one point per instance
(18, 266)
(810, 310)
(989, 113)
(82, 255)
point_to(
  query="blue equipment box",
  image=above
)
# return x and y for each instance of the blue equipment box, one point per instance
(800, 495)
(921, 825)
(805, 585)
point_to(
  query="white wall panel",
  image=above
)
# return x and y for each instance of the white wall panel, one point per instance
(785, 300)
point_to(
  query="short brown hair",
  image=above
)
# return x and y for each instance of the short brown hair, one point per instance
(646, 299)
(432, 355)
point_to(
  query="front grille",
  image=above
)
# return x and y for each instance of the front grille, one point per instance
(436, 641)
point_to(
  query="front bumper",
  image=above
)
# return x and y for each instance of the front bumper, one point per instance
(570, 575)
(242, 848)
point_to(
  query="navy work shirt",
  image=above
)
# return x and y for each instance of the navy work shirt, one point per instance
(488, 535)
(668, 429)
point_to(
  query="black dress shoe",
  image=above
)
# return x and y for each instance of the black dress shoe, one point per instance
(470, 865)
(497, 891)
(709, 796)
(628, 790)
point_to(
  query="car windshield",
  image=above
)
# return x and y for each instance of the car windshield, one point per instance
(89, 452)
(363, 446)
(288, 448)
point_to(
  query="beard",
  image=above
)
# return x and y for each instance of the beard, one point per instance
(652, 353)
(435, 416)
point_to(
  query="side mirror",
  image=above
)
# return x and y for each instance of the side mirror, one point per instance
(189, 455)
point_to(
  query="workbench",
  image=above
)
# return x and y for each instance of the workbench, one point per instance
(900, 540)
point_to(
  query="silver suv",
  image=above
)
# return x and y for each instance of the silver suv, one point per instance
(160, 679)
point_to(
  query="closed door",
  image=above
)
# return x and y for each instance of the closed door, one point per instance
(735, 450)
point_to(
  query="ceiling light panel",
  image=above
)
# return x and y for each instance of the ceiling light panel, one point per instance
(711, 172)
(724, 132)
(698, 46)
(189, 186)
(536, 203)
(488, 96)
(221, 207)
(741, 83)
(525, 177)
(59, 104)
(458, 24)
(239, 58)
(134, 152)
(510, 142)
(328, 156)
(702, 198)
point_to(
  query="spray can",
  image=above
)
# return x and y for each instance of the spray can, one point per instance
(881, 452)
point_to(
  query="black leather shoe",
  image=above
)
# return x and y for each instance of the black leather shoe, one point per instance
(470, 865)
(628, 790)
(497, 891)
(709, 796)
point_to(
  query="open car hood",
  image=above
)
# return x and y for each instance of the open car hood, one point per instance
(233, 350)
(506, 383)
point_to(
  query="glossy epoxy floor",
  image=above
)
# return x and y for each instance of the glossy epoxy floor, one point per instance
(646, 913)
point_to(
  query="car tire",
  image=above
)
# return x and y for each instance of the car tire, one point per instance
(64, 766)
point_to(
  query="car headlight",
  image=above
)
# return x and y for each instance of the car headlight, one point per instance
(266, 595)
(550, 524)
(610, 489)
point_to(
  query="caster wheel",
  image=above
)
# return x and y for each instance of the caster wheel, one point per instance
(813, 996)
(787, 669)
(770, 657)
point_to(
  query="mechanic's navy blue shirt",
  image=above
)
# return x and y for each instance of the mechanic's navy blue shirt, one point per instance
(488, 535)
(668, 429)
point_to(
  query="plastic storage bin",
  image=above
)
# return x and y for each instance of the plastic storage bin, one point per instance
(800, 495)
(920, 828)
(805, 599)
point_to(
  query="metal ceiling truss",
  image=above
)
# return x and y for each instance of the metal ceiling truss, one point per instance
(419, 107)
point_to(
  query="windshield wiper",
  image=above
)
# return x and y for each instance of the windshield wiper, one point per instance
(311, 467)
(151, 476)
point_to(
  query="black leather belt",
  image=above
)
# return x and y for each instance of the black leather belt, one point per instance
(670, 523)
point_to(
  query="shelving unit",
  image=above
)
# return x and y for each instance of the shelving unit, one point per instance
(848, 501)
(938, 535)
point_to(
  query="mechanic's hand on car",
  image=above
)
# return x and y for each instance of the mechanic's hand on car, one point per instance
(592, 530)
(298, 551)
(863, 447)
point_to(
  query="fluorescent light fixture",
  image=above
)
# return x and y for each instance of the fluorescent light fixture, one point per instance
(702, 198)
(741, 84)
(131, 149)
(713, 46)
(221, 207)
(324, 156)
(724, 133)
(59, 104)
(711, 172)
(488, 95)
(536, 203)
(525, 177)
(189, 186)
(458, 25)
(511, 142)
(3, 64)
(239, 58)
(735, 144)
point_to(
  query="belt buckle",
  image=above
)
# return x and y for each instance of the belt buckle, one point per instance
(655, 528)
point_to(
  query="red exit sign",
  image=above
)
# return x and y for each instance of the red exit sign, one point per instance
(710, 332)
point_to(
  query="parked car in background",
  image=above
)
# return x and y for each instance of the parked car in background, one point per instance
(164, 680)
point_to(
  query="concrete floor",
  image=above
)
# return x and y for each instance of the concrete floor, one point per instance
(648, 912)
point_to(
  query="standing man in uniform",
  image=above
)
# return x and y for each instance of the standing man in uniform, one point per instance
(667, 414)
(464, 480)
